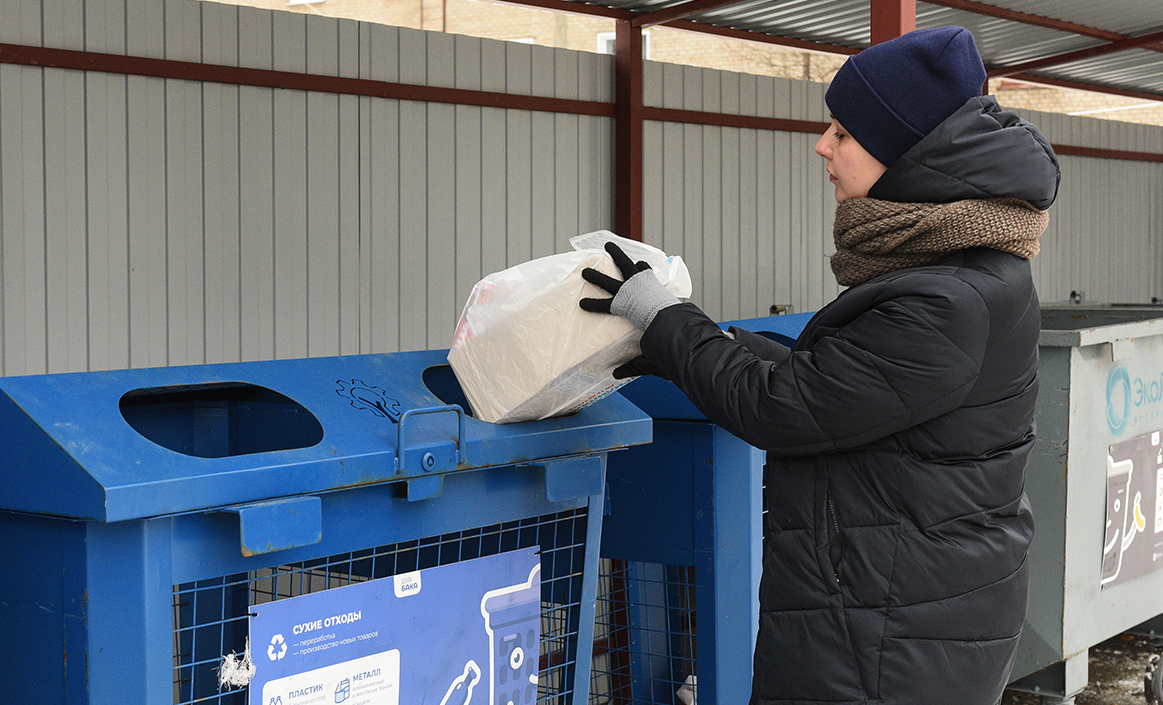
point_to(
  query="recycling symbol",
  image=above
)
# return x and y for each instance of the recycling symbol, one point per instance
(277, 641)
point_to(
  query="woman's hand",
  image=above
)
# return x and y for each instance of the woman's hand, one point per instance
(637, 298)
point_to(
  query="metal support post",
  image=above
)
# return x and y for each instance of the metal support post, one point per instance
(628, 130)
(889, 19)
(728, 562)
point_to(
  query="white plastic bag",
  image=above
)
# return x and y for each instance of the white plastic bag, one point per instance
(525, 350)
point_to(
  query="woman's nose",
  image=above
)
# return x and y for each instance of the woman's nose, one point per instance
(821, 146)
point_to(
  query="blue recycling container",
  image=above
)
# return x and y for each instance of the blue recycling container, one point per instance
(681, 546)
(146, 512)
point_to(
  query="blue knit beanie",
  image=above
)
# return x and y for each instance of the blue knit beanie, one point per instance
(891, 95)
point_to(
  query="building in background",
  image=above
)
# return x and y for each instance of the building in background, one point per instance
(1019, 94)
(498, 20)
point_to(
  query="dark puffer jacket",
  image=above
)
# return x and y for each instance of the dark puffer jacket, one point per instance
(897, 433)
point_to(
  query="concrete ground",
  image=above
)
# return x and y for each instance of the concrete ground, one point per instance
(1116, 674)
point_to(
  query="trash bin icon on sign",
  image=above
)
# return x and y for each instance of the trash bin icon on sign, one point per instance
(513, 621)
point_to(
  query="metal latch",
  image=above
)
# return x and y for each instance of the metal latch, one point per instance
(426, 456)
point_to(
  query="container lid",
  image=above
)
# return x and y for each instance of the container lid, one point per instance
(130, 444)
(1078, 325)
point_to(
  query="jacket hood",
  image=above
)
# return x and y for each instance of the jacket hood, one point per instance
(980, 151)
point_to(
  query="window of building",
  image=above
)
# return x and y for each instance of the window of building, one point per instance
(606, 43)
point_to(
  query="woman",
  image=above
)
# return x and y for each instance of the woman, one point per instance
(898, 428)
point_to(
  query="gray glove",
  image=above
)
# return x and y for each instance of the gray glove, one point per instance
(638, 298)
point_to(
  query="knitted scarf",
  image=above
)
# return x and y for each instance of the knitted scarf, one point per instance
(874, 237)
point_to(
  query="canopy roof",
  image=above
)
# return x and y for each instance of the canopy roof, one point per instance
(1111, 46)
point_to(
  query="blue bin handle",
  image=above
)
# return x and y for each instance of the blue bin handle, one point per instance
(428, 460)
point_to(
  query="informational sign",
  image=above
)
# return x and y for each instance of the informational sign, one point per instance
(1133, 390)
(460, 634)
(1134, 509)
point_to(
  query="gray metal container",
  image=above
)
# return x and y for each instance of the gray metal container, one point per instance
(1096, 485)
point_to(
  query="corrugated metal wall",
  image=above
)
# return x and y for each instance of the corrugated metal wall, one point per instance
(1106, 230)
(149, 222)
(750, 210)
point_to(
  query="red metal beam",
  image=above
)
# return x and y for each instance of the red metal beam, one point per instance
(1001, 13)
(696, 117)
(265, 78)
(750, 36)
(752, 122)
(628, 130)
(629, 157)
(1079, 86)
(678, 12)
(1121, 45)
(889, 19)
(978, 8)
(1107, 153)
(574, 8)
